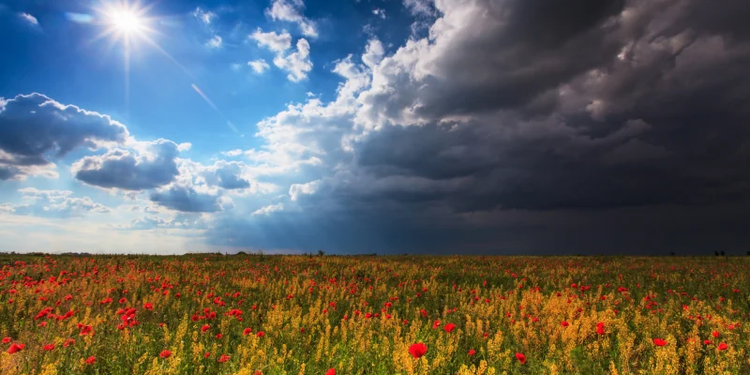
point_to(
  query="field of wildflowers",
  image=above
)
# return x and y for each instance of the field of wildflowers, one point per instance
(253, 314)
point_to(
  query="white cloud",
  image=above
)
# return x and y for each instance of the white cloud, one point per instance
(204, 16)
(29, 18)
(273, 41)
(52, 203)
(267, 210)
(214, 42)
(259, 66)
(379, 12)
(232, 153)
(420, 7)
(373, 54)
(291, 11)
(303, 189)
(297, 64)
(173, 221)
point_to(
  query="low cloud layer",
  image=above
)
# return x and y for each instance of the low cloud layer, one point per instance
(53, 204)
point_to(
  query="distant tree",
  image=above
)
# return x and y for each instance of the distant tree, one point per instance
(722, 253)
(241, 253)
(672, 253)
(748, 253)
(716, 253)
(321, 253)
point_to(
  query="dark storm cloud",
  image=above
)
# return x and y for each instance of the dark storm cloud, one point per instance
(123, 170)
(186, 199)
(34, 128)
(488, 55)
(583, 126)
(653, 110)
(7, 172)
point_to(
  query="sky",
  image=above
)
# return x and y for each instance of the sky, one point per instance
(375, 126)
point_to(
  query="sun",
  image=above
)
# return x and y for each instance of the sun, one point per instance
(125, 21)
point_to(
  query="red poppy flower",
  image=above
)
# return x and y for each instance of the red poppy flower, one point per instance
(148, 306)
(223, 358)
(48, 347)
(69, 342)
(86, 330)
(260, 334)
(219, 335)
(165, 354)
(205, 328)
(659, 342)
(521, 358)
(472, 352)
(564, 323)
(417, 350)
(715, 334)
(331, 371)
(208, 354)
(600, 328)
(723, 346)
(247, 331)
(15, 348)
(449, 327)
(90, 360)
(6, 340)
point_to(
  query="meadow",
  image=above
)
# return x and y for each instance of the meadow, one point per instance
(325, 315)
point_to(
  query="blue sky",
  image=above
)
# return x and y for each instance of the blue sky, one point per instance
(423, 126)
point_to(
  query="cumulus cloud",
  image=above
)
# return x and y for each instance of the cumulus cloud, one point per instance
(234, 176)
(187, 199)
(34, 130)
(152, 165)
(291, 11)
(296, 63)
(278, 43)
(259, 66)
